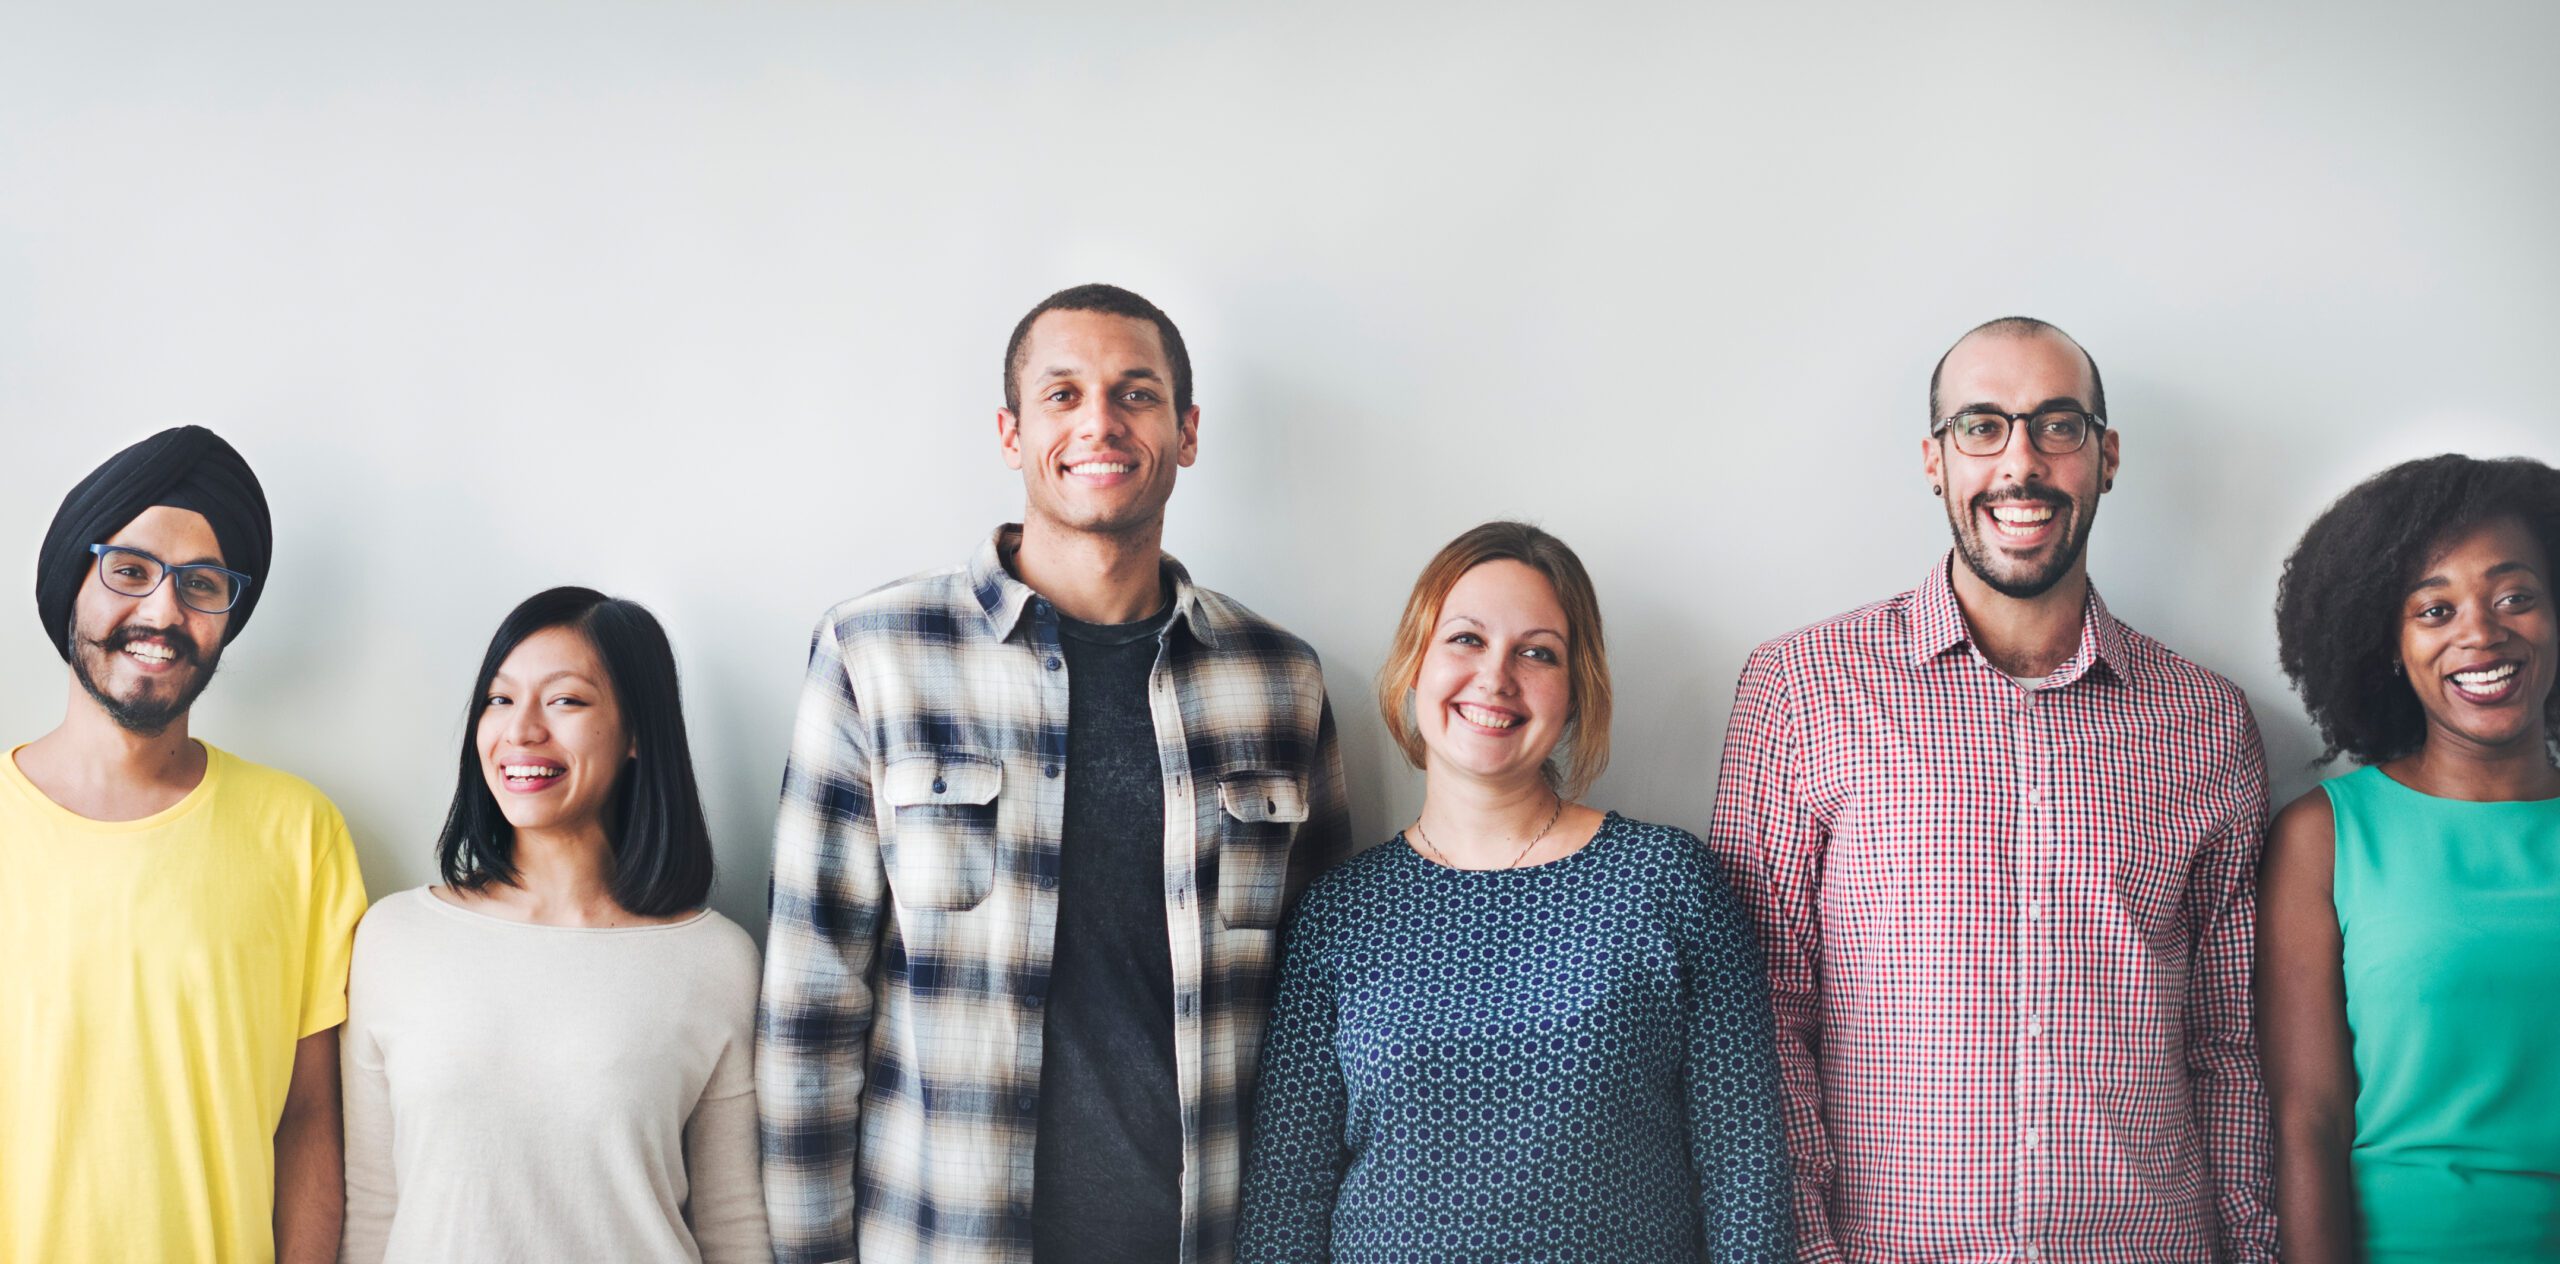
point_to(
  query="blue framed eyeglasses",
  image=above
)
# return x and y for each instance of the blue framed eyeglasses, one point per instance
(202, 586)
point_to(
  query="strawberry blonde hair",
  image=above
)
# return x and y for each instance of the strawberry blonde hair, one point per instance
(1584, 750)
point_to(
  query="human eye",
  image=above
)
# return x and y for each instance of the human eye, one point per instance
(1980, 425)
(1465, 638)
(1138, 395)
(1060, 395)
(496, 700)
(1542, 654)
(2433, 612)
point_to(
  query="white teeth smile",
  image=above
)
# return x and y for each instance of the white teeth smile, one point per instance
(1488, 719)
(1101, 467)
(2022, 513)
(151, 651)
(529, 770)
(2485, 681)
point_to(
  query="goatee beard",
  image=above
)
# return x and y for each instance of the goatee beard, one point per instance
(1977, 552)
(146, 716)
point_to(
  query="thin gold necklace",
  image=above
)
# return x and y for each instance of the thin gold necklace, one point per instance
(1436, 854)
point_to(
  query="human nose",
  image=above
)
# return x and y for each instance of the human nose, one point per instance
(2475, 624)
(524, 726)
(2021, 461)
(160, 608)
(1498, 676)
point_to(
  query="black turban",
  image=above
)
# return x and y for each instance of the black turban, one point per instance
(187, 467)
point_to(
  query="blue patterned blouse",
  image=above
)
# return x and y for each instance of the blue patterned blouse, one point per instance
(1566, 1063)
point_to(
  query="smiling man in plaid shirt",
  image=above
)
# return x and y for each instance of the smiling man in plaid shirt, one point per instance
(2002, 851)
(1042, 816)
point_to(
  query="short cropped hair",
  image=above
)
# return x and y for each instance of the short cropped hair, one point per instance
(662, 860)
(1110, 300)
(2338, 606)
(1585, 747)
(2019, 327)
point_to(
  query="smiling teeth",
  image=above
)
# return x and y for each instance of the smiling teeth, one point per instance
(2023, 513)
(529, 770)
(156, 653)
(2484, 681)
(1488, 719)
(1101, 467)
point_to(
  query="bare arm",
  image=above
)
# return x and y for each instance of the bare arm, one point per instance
(310, 1190)
(2302, 1028)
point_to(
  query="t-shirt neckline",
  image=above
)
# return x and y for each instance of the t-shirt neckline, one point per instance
(16, 779)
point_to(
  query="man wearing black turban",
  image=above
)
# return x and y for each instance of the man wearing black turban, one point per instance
(177, 921)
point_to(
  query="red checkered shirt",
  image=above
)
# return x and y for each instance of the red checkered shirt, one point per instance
(2009, 939)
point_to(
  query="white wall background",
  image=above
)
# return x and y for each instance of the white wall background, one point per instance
(498, 296)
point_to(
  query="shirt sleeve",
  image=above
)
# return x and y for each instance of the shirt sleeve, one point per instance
(1737, 1141)
(2222, 1043)
(1295, 1161)
(336, 904)
(1766, 837)
(724, 1202)
(827, 907)
(1325, 840)
(373, 1186)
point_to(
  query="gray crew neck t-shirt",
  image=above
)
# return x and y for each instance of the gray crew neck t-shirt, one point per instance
(1107, 1162)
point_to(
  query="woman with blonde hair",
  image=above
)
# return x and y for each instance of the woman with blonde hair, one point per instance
(1524, 1029)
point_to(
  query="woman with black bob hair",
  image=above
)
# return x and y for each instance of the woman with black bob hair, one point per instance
(550, 1056)
(2409, 912)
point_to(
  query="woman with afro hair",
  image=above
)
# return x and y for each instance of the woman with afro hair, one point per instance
(2409, 914)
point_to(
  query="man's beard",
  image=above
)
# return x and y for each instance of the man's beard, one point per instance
(148, 713)
(1978, 554)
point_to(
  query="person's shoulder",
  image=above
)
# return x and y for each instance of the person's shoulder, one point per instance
(1668, 854)
(726, 949)
(1359, 881)
(900, 604)
(1818, 646)
(278, 803)
(1236, 626)
(2312, 813)
(401, 917)
(2159, 668)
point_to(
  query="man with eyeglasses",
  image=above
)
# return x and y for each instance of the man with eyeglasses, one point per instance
(2002, 851)
(175, 921)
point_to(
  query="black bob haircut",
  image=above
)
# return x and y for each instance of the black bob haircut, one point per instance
(2338, 605)
(2020, 327)
(1110, 300)
(661, 846)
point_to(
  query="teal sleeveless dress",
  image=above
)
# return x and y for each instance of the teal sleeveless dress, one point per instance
(2450, 912)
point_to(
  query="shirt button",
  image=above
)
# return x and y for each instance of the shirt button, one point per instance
(939, 786)
(2035, 1027)
(1049, 882)
(2035, 909)
(2032, 1253)
(1054, 664)
(2035, 795)
(1030, 1000)
(2032, 1137)
(1025, 1103)
(1052, 770)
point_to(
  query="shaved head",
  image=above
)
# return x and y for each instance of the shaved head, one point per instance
(2019, 327)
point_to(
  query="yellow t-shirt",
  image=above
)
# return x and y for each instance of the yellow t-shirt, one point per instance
(154, 976)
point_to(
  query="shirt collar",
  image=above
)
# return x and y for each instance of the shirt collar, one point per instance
(1005, 598)
(1937, 625)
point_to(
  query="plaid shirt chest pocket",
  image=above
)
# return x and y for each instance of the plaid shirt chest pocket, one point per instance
(938, 828)
(1259, 811)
